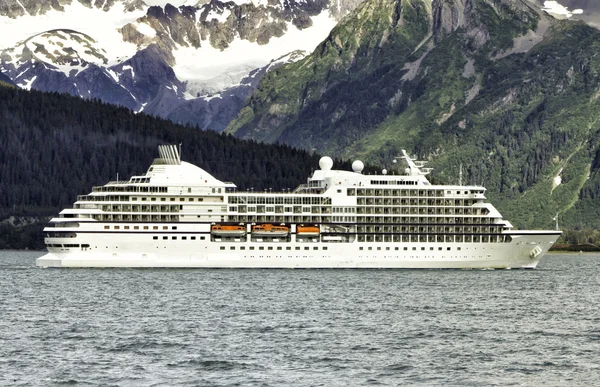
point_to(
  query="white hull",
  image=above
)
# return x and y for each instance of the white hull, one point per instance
(517, 254)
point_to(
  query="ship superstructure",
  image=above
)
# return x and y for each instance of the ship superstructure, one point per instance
(178, 215)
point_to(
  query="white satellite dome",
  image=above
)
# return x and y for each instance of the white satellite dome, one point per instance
(384, 172)
(325, 163)
(358, 166)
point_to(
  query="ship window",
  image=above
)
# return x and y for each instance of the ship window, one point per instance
(288, 248)
(202, 238)
(232, 248)
(174, 238)
(174, 228)
(183, 238)
(172, 199)
(145, 227)
(222, 247)
(162, 199)
(153, 199)
(379, 248)
(448, 248)
(143, 199)
(387, 248)
(270, 248)
(182, 199)
(396, 248)
(406, 248)
(126, 227)
(261, 248)
(193, 238)
(315, 248)
(251, 247)
(307, 248)
(117, 227)
(133, 199)
(458, 248)
(155, 237)
(422, 248)
(165, 227)
(414, 248)
(165, 238)
(243, 248)
(191, 199)
(136, 227)
(360, 248)
(106, 227)
(189, 190)
(324, 248)
(279, 248)
(370, 248)
(297, 247)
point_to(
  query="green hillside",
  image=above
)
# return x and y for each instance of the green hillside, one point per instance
(499, 87)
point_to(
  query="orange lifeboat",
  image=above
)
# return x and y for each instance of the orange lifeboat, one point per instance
(307, 230)
(227, 230)
(269, 230)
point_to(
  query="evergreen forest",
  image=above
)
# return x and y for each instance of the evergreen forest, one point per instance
(55, 147)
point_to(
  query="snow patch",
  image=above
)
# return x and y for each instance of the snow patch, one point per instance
(100, 25)
(27, 84)
(142, 107)
(555, 8)
(207, 62)
(208, 98)
(113, 75)
(127, 67)
(220, 17)
(145, 29)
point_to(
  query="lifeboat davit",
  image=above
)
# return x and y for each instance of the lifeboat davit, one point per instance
(307, 230)
(269, 230)
(228, 230)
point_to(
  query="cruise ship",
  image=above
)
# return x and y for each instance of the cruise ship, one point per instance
(178, 215)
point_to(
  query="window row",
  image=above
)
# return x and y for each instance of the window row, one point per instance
(175, 237)
(268, 248)
(432, 193)
(277, 199)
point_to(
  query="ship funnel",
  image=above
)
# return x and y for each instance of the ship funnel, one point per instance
(169, 154)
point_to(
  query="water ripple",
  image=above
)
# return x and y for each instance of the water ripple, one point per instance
(308, 328)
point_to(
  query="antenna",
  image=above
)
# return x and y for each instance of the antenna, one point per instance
(460, 175)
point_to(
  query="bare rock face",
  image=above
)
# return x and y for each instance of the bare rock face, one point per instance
(219, 23)
(6, 79)
(14, 8)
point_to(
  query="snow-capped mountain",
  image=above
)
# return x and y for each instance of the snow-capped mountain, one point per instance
(190, 61)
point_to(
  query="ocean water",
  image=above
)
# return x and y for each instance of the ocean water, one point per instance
(146, 327)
